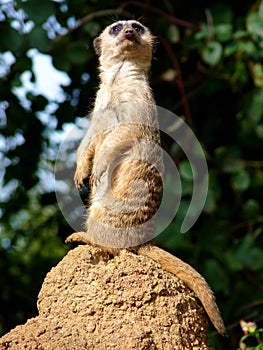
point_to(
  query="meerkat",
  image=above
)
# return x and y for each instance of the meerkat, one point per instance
(121, 159)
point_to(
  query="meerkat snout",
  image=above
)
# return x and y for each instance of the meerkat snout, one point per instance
(129, 34)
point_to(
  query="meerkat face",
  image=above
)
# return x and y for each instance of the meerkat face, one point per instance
(125, 40)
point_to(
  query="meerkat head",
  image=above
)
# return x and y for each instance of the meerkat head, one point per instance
(125, 40)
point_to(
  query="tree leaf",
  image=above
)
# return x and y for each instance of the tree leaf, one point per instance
(11, 40)
(255, 24)
(257, 74)
(245, 254)
(241, 181)
(37, 10)
(212, 53)
(251, 209)
(38, 38)
(186, 170)
(223, 32)
(259, 131)
(77, 53)
(173, 34)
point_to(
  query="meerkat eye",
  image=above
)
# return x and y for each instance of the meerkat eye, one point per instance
(116, 28)
(138, 28)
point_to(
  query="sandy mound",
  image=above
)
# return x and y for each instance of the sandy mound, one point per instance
(93, 301)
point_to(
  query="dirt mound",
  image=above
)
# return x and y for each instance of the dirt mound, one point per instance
(93, 301)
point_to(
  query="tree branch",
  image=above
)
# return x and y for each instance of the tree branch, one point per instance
(179, 79)
(91, 16)
(168, 17)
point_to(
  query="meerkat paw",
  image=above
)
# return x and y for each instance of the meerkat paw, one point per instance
(98, 176)
(77, 237)
(80, 177)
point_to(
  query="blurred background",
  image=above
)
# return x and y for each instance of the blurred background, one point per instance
(207, 69)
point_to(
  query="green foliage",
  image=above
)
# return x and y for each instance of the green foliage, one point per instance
(209, 70)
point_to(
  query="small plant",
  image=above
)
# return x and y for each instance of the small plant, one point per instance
(254, 334)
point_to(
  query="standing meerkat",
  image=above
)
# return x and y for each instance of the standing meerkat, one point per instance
(121, 159)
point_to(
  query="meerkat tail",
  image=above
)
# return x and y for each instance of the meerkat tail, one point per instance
(191, 278)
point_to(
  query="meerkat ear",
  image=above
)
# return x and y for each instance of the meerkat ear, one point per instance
(97, 45)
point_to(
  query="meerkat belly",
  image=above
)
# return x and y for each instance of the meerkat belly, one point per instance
(130, 184)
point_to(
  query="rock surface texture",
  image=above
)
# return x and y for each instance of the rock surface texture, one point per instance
(91, 300)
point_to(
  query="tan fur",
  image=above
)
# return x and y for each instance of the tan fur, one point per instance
(124, 172)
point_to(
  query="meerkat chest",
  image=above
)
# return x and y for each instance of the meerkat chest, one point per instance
(121, 82)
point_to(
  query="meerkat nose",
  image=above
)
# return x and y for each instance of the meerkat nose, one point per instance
(129, 33)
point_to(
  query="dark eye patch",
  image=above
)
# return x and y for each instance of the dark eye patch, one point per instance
(116, 28)
(138, 28)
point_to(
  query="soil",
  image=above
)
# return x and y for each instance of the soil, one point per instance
(92, 300)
